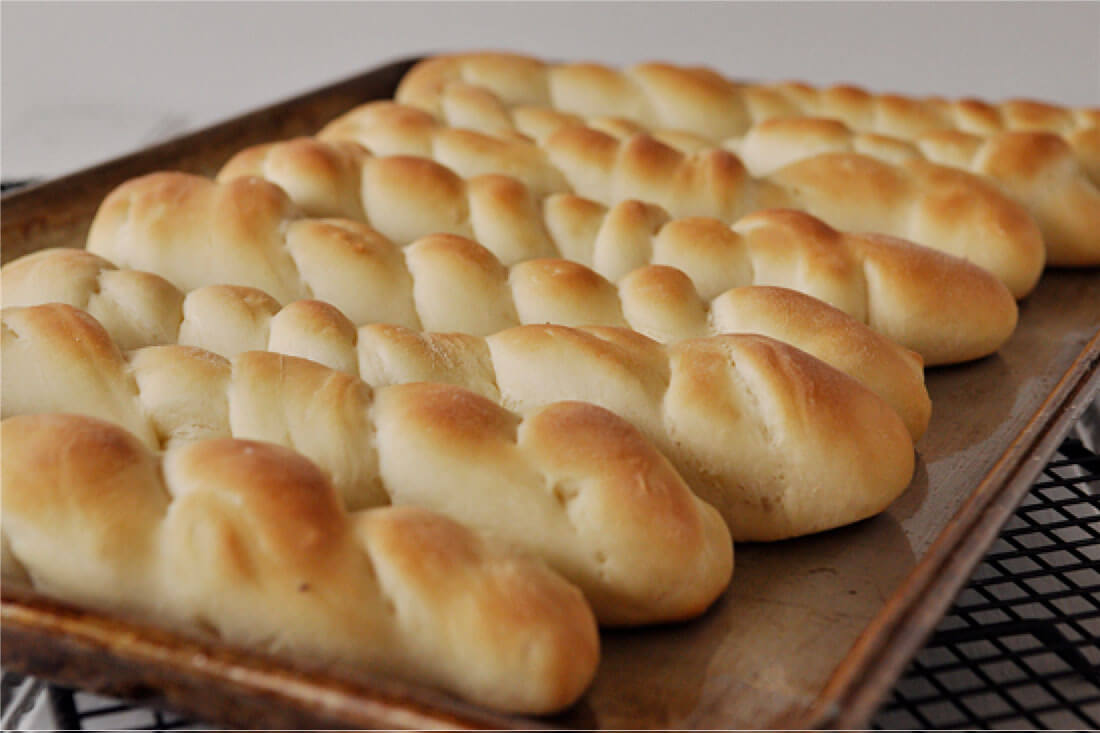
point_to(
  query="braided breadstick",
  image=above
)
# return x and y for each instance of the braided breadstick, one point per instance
(941, 207)
(778, 441)
(1038, 169)
(228, 320)
(570, 482)
(943, 308)
(249, 539)
(729, 411)
(480, 91)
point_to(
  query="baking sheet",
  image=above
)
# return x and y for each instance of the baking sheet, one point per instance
(811, 633)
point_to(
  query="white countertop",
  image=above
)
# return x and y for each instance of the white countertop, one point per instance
(84, 82)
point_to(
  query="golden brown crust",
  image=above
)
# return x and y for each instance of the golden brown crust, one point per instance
(394, 444)
(138, 308)
(509, 222)
(181, 223)
(448, 283)
(85, 354)
(458, 286)
(709, 438)
(1086, 144)
(110, 540)
(773, 144)
(1054, 177)
(389, 354)
(826, 334)
(560, 291)
(702, 101)
(617, 369)
(322, 180)
(570, 438)
(527, 368)
(836, 434)
(691, 108)
(662, 302)
(923, 202)
(1037, 169)
(389, 129)
(901, 279)
(672, 91)
(250, 540)
(223, 318)
(439, 561)
(706, 181)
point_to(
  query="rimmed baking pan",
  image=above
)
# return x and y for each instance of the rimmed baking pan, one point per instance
(811, 633)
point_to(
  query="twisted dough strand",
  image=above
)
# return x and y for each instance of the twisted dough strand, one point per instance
(934, 205)
(597, 511)
(1037, 169)
(657, 301)
(249, 540)
(502, 93)
(451, 284)
(943, 308)
(479, 90)
(779, 442)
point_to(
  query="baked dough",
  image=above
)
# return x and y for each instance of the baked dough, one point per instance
(777, 441)
(246, 232)
(936, 206)
(1037, 169)
(458, 286)
(569, 482)
(248, 540)
(485, 91)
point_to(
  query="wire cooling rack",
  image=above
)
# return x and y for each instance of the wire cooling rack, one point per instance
(1020, 648)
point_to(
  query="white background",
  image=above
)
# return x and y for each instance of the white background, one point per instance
(83, 82)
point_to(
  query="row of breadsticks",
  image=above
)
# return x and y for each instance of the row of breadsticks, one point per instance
(497, 92)
(579, 384)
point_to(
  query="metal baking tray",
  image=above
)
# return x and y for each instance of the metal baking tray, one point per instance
(812, 632)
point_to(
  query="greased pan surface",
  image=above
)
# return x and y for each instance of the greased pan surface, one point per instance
(812, 632)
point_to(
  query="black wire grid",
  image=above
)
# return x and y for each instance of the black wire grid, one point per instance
(77, 711)
(1019, 649)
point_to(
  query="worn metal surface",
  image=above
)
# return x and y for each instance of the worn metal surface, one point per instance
(811, 633)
